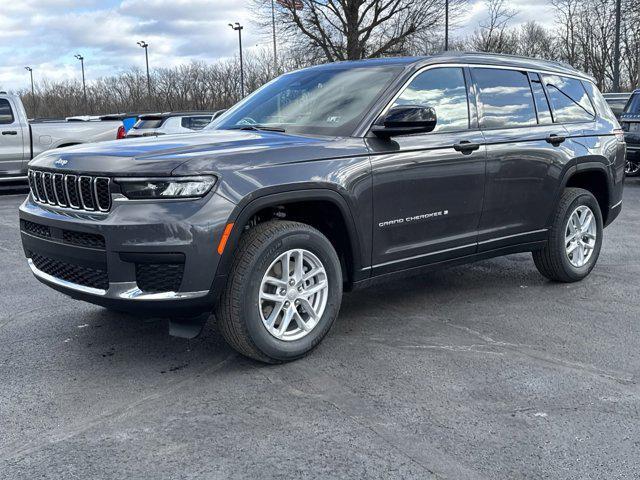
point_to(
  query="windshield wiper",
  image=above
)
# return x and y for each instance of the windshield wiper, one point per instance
(259, 127)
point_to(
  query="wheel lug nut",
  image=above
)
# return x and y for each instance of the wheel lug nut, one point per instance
(286, 304)
(300, 288)
(292, 282)
(283, 291)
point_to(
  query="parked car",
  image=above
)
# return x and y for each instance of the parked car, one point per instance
(630, 121)
(328, 179)
(21, 140)
(617, 102)
(154, 124)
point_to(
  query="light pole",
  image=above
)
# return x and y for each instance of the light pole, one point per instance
(275, 51)
(446, 25)
(237, 27)
(145, 45)
(30, 70)
(84, 85)
(616, 54)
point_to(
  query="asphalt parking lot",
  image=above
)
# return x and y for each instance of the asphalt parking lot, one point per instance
(477, 372)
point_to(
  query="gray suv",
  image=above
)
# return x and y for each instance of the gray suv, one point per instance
(328, 179)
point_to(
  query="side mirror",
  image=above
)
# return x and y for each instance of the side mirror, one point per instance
(406, 120)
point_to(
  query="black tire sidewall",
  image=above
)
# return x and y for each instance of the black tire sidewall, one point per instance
(576, 273)
(317, 244)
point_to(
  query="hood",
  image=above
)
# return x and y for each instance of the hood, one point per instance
(203, 152)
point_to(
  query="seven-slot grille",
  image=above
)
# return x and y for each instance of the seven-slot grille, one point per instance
(80, 192)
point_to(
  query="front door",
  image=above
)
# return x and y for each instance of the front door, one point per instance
(11, 141)
(428, 188)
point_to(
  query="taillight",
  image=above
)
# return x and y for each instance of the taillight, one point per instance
(619, 133)
(121, 132)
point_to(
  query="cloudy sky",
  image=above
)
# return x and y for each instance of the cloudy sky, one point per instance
(46, 34)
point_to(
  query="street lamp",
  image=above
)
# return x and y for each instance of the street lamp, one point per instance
(145, 45)
(275, 48)
(30, 70)
(84, 85)
(616, 50)
(237, 27)
(446, 25)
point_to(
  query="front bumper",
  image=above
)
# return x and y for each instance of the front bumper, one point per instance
(154, 256)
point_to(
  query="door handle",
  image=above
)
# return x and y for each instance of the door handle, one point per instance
(466, 147)
(555, 140)
(9, 132)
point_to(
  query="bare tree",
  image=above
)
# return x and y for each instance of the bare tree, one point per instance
(334, 30)
(494, 34)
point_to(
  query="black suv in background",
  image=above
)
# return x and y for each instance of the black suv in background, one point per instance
(325, 180)
(630, 121)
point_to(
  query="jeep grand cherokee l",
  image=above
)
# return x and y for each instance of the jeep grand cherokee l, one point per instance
(325, 180)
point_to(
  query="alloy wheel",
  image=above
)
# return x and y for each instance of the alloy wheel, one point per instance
(580, 236)
(293, 295)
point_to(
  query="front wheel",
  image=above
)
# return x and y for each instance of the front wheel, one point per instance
(283, 293)
(575, 238)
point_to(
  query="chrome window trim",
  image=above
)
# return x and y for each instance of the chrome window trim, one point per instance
(364, 131)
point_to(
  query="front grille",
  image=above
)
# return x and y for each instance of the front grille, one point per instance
(83, 239)
(78, 274)
(71, 191)
(35, 229)
(159, 277)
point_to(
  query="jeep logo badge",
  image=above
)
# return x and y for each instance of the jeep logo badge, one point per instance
(61, 162)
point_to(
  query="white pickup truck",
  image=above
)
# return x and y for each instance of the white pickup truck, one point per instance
(21, 140)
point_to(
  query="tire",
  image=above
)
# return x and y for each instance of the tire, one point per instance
(632, 168)
(553, 261)
(241, 310)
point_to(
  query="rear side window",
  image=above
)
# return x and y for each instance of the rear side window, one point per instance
(6, 114)
(603, 109)
(505, 98)
(196, 123)
(444, 90)
(569, 99)
(633, 106)
(150, 123)
(542, 104)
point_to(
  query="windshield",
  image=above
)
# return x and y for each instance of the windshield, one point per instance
(633, 106)
(320, 101)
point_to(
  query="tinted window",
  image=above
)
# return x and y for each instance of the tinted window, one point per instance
(603, 108)
(6, 114)
(443, 89)
(196, 123)
(542, 104)
(149, 123)
(569, 99)
(505, 98)
(633, 106)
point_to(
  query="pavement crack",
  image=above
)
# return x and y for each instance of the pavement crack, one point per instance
(47, 439)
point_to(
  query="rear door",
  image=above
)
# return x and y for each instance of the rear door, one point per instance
(428, 188)
(12, 144)
(525, 155)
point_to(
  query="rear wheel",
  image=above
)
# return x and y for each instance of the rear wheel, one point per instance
(632, 168)
(283, 294)
(574, 240)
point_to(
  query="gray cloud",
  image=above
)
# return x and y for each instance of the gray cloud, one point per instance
(47, 33)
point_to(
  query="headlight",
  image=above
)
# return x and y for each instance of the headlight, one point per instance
(170, 187)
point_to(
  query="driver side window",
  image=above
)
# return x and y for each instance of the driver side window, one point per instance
(444, 90)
